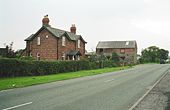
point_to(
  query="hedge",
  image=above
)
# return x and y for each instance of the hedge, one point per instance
(17, 67)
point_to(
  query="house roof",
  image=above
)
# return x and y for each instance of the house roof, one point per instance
(116, 44)
(57, 33)
(29, 38)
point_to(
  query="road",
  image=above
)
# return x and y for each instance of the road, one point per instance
(158, 98)
(110, 91)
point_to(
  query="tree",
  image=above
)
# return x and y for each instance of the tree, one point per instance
(153, 54)
(19, 52)
(164, 54)
(10, 53)
(115, 57)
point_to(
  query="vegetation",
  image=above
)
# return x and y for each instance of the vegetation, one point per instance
(100, 58)
(10, 51)
(17, 67)
(6, 83)
(115, 57)
(153, 55)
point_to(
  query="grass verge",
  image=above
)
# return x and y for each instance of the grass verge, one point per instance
(8, 83)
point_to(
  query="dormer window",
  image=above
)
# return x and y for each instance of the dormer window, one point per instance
(63, 41)
(38, 40)
(78, 43)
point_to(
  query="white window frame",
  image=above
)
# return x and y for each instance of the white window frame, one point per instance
(122, 51)
(38, 41)
(38, 56)
(46, 36)
(73, 57)
(64, 56)
(78, 43)
(63, 41)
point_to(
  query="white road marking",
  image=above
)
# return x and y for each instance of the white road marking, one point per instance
(150, 88)
(109, 80)
(17, 106)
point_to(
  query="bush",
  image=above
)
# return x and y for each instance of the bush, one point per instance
(109, 64)
(26, 58)
(18, 67)
(13, 67)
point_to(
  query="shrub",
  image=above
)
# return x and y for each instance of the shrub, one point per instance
(13, 67)
(18, 67)
(26, 58)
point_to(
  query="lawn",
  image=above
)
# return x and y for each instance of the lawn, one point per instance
(8, 83)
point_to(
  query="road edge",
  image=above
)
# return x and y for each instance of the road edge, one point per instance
(140, 99)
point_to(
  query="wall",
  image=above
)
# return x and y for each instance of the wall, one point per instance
(69, 45)
(47, 48)
(51, 48)
(130, 53)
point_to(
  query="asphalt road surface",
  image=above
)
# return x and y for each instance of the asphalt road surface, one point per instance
(110, 91)
(159, 97)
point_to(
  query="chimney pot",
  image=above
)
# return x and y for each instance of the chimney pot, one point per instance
(73, 29)
(45, 21)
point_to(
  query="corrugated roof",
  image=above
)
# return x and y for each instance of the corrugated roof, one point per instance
(116, 44)
(57, 33)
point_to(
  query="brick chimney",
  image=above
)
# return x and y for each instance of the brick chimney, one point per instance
(45, 21)
(73, 29)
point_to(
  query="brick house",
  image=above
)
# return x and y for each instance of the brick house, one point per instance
(49, 43)
(126, 50)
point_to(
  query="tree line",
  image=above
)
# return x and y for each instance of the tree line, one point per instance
(153, 54)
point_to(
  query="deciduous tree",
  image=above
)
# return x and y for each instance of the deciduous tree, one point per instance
(153, 54)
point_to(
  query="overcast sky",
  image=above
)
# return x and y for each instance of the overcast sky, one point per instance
(146, 21)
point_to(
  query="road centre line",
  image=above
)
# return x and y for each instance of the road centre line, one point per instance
(17, 106)
(109, 80)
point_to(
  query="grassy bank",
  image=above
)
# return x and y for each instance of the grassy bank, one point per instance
(8, 83)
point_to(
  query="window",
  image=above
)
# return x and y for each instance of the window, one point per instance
(78, 57)
(63, 56)
(46, 36)
(38, 40)
(78, 43)
(73, 57)
(63, 41)
(38, 56)
(122, 50)
(100, 50)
